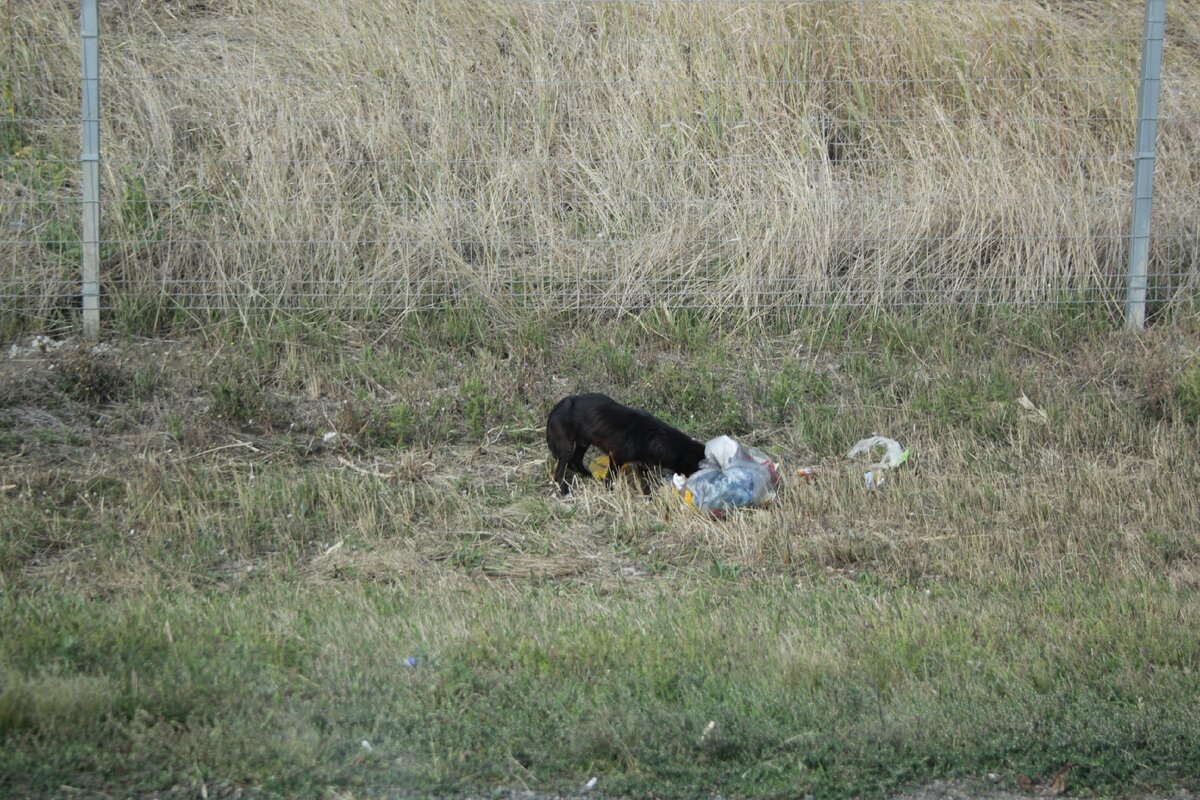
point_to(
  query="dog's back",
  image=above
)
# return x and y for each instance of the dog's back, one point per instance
(627, 435)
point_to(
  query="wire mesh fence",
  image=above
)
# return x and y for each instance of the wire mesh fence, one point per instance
(366, 159)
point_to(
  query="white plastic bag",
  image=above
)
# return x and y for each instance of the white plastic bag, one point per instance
(893, 455)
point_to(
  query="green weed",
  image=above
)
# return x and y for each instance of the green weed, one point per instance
(146, 315)
(793, 386)
(1187, 394)
(235, 401)
(479, 405)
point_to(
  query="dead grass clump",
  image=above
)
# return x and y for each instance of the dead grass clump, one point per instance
(1160, 378)
(91, 375)
(25, 385)
(394, 562)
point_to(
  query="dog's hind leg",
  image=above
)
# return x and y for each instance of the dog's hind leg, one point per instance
(568, 455)
(643, 478)
(560, 476)
(562, 449)
(574, 463)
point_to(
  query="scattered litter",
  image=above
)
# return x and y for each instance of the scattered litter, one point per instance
(44, 344)
(807, 474)
(367, 746)
(890, 452)
(329, 437)
(894, 453)
(600, 465)
(38, 344)
(591, 784)
(721, 451)
(411, 661)
(331, 550)
(730, 476)
(1027, 404)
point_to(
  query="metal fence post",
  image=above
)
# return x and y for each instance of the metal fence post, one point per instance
(1143, 162)
(89, 36)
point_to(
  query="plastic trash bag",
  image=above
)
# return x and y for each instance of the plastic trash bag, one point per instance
(730, 476)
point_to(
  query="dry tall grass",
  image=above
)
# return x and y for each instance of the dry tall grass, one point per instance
(394, 155)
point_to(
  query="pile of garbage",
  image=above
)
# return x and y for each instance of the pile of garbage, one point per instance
(730, 476)
(733, 476)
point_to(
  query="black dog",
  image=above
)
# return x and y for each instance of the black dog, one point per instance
(626, 435)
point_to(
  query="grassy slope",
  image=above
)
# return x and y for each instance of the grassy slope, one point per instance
(391, 155)
(199, 591)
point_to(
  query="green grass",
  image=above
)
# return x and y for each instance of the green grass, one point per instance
(223, 538)
(202, 592)
(833, 688)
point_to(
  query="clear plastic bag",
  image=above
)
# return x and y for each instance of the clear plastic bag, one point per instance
(891, 455)
(730, 476)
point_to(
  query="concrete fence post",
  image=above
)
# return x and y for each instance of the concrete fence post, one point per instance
(1143, 163)
(89, 36)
